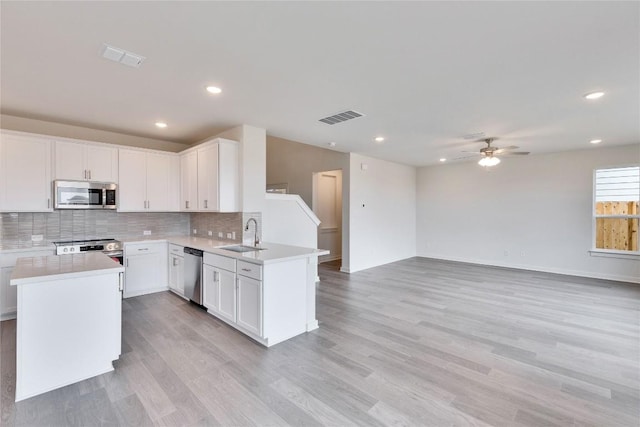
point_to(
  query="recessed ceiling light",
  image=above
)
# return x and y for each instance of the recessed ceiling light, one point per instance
(594, 95)
(595, 141)
(379, 139)
(443, 159)
(161, 125)
(213, 89)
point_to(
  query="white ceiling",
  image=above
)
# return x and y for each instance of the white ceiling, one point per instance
(423, 73)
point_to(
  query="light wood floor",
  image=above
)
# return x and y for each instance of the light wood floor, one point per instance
(416, 342)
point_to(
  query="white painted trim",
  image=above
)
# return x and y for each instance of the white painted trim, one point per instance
(567, 272)
(331, 258)
(345, 270)
(8, 316)
(145, 291)
(312, 326)
(295, 198)
(610, 253)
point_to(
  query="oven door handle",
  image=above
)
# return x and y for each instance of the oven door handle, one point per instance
(113, 253)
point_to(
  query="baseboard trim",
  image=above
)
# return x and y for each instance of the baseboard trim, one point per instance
(565, 272)
(8, 316)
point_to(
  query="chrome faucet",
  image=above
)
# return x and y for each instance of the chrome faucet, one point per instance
(256, 240)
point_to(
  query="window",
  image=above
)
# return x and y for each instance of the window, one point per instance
(616, 213)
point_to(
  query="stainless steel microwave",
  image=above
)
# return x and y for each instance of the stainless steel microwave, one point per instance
(84, 195)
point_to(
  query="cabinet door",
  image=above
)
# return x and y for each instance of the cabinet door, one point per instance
(250, 304)
(158, 166)
(102, 163)
(211, 290)
(132, 181)
(176, 269)
(25, 174)
(141, 274)
(220, 292)
(227, 284)
(189, 181)
(228, 177)
(8, 293)
(208, 178)
(70, 161)
(174, 183)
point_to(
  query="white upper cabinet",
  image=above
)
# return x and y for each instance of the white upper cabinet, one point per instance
(85, 162)
(148, 181)
(25, 173)
(189, 181)
(210, 177)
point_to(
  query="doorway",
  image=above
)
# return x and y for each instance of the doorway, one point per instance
(327, 205)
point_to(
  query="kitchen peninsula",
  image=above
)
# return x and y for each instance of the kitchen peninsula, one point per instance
(268, 293)
(68, 320)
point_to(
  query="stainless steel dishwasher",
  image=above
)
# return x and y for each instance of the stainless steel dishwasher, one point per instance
(193, 275)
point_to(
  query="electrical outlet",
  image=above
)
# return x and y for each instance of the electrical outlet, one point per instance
(210, 233)
(147, 232)
(233, 235)
(37, 237)
(506, 253)
(523, 253)
(221, 234)
(229, 236)
(195, 231)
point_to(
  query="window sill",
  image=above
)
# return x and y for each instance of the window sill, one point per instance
(610, 253)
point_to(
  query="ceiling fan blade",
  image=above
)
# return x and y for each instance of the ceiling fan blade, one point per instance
(513, 153)
(474, 152)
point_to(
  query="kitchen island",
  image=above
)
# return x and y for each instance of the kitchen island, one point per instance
(68, 320)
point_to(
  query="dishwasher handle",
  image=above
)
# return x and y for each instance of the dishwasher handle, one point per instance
(194, 252)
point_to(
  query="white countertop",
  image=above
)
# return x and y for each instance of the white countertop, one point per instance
(270, 252)
(55, 267)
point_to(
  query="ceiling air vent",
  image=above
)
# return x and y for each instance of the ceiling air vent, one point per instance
(341, 117)
(122, 56)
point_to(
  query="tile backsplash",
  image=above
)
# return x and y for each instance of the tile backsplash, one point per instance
(224, 223)
(17, 229)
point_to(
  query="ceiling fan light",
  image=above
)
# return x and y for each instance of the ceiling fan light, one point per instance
(488, 161)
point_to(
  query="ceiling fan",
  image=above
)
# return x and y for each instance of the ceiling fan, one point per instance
(490, 153)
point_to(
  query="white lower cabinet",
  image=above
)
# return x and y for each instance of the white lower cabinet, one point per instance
(220, 292)
(250, 304)
(219, 281)
(8, 293)
(145, 268)
(176, 269)
(267, 302)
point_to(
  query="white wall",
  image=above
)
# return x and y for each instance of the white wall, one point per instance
(529, 212)
(382, 221)
(288, 220)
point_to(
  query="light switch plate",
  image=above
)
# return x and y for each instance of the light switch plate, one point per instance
(37, 237)
(147, 232)
(220, 234)
(210, 233)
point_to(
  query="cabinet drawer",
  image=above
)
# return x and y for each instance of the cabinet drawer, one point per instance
(143, 248)
(250, 270)
(220, 261)
(176, 249)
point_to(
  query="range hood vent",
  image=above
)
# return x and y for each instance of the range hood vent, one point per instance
(341, 117)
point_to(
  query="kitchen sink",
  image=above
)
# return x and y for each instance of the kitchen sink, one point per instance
(242, 248)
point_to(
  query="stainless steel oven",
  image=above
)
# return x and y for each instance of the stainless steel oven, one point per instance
(84, 195)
